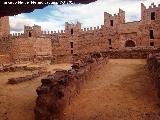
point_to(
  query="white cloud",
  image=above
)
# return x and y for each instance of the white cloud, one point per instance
(17, 23)
(89, 15)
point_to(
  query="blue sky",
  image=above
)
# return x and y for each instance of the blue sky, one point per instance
(53, 17)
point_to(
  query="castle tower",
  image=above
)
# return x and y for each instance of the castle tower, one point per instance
(143, 8)
(34, 31)
(114, 20)
(27, 31)
(72, 28)
(4, 26)
(150, 14)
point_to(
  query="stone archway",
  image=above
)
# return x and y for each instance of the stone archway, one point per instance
(130, 43)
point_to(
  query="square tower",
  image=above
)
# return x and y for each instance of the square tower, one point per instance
(4, 26)
(114, 20)
(150, 14)
(71, 28)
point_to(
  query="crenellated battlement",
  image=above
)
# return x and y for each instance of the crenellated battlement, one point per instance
(92, 29)
(52, 32)
(152, 6)
(110, 22)
(17, 35)
(151, 13)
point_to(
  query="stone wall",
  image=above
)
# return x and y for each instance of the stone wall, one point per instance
(5, 50)
(4, 26)
(153, 62)
(58, 89)
(136, 53)
(76, 40)
(31, 49)
(5, 59)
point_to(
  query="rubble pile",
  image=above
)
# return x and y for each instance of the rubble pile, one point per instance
(28, 77)
(58, 89)
(18, 68)
(153, 62)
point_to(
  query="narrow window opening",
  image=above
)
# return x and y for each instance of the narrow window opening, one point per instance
(110, 47)
(153, 16)
(110, 42)
(111, 22)
(71, 51)
(71, 31)
(71, 44)
(151, 34)
(151, 43)
(30, 34)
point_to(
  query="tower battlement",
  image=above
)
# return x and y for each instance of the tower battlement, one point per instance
(114, 20)
(151, 13)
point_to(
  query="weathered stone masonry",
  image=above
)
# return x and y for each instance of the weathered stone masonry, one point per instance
(153, 62)
(57, 90)
(114, 34)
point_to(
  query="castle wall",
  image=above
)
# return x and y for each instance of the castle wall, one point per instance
(83, 42)
(4, 26)
(5, 50)
(114, 34)
(42, 47)
(27, 49)
(5, 59)
(22, 49)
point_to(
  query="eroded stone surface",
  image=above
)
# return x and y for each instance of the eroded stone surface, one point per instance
(58, 89)
(154, 67)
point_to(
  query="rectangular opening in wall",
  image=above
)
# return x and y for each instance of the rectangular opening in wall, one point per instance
(71, 44)
(110, 42)
(153, 15)
(110, 47)
(151, 34)
(71, 51)
(151, 43)
(71, 31)
(30, 34)
(111, 22)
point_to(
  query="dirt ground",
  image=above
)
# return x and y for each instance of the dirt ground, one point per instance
(121, 90)
(17, 101)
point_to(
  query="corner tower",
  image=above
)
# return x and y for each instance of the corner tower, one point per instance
(4, 26)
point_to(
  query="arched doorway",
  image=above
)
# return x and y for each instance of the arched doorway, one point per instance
(130, 43)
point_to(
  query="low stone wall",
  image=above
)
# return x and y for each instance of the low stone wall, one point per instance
(153, 62)
(127, 53)
(18, 68)
(27, 77)
(58, 89)
(136, 53)
(62, 59)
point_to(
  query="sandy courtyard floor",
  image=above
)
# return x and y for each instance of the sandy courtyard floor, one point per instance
(17, 101)
(121, 90)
